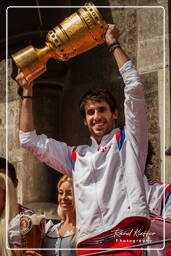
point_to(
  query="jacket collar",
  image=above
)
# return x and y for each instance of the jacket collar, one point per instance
(105, 139)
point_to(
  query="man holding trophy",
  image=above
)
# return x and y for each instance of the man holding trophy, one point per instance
(108, 175)
(111, 208)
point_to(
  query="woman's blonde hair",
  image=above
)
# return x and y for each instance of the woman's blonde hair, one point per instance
(60, 182)
(10, 211)
(59, 210)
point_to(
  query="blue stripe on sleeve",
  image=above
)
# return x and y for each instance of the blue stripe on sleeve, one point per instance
(121, 139)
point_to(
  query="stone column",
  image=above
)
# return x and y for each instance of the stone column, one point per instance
(37, 182)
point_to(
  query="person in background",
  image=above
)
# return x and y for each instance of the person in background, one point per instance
(159, 201)
(8, 168)
(8, 209)
(108, 175)
(61, 236)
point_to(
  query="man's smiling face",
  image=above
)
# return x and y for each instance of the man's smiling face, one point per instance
(99, 118)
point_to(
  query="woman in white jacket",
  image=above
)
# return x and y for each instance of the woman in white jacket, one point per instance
(159, 201)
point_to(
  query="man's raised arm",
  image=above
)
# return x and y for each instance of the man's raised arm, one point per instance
(50, 151)
(112, 36)
(134, 104)
(26, 116)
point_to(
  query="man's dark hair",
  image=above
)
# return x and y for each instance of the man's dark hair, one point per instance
(11, 170)
(97, 95)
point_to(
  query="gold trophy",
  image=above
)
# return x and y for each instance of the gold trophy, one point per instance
(80, 32)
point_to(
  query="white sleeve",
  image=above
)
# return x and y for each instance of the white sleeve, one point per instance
(48, 225)
(161, 224)
(14, 231)
(135, 114)
(54, 153)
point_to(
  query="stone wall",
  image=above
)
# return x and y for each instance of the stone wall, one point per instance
(37, 182)
(147, 44)
(150, 63)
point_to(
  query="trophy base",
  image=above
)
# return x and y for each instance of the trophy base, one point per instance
(30, 61)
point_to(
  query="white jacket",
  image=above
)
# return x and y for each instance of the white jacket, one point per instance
(108, 178)
(159, 201)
